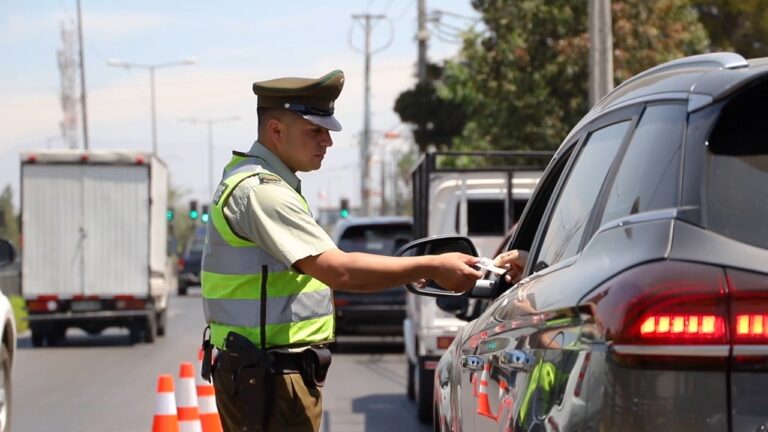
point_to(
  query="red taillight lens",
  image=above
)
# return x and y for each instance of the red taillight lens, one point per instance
(683, 327)
(443, 342)
(665, 302)
(749, 307)
(180, 264)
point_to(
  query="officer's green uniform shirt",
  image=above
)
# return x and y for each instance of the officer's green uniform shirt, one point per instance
(274, 216)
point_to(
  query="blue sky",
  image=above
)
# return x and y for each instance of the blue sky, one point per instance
(235, 43)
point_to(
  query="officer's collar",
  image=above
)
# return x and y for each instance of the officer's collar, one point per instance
(275, 165)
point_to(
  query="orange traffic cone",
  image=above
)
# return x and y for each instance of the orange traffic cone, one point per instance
(189, 415)
(483, 405)
(206, 397)
(165, 419)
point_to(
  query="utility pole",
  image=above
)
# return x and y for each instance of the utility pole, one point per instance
(365, 154)
(82, 76)
(68, 94)
(422, 36)
(210, 123)
(600, 49)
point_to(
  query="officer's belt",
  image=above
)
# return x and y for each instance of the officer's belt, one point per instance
(283, 363)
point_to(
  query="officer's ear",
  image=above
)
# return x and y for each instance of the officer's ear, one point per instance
(275, 129)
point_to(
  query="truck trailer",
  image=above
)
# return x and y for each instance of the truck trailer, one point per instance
(94, 243)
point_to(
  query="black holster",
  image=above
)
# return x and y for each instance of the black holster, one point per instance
(252, 379)
(315, 362)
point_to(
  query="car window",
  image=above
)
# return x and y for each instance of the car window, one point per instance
(737, 170)
(648, 176)
(380, 239)
(569, 218)
(484, 217)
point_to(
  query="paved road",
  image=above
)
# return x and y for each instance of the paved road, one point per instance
(103, 383)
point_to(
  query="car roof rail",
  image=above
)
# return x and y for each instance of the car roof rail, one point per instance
(716, 60)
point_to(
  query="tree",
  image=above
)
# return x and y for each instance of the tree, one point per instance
(9, 221)
(523, 79)
(736, 25)
(435, 120)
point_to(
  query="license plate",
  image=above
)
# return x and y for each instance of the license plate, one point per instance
(85, 305)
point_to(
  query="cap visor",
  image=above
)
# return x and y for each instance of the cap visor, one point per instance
(328, 122)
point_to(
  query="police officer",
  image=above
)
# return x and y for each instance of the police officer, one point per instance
(267, 266)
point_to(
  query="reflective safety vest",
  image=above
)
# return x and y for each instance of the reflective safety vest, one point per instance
(248, 291)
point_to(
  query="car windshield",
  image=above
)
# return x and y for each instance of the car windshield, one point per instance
(380, 239)
(737, 170)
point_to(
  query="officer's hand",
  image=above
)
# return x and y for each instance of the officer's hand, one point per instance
(456, 271)
(513, 260)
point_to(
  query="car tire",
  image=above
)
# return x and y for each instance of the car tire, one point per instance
(424, 395)
(410, 386)
(5, 388)
(182, 289)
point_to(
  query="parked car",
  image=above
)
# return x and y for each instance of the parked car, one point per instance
(8, 341)
(190, 261)
(643, 306)
(380, 313)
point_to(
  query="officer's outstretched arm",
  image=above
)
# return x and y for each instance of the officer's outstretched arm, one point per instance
(355, 271)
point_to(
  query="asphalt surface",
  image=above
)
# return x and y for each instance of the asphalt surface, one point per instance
(103, 383)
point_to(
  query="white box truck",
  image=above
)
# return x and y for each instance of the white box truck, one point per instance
(94, 242)
(476, 194)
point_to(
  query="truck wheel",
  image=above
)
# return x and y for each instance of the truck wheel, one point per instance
(424, 395)
(57, 336)
(38, 338)
(409, 387)
(161, 321)
(135, 330)
(150, 328)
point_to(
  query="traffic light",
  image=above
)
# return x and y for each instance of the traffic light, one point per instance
(344, 208)
(169, 214)
(193, 213)
(204, 215)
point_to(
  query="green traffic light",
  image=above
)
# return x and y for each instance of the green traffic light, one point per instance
(344, 213)
(169, 214)
(204, 218)
(193, 214)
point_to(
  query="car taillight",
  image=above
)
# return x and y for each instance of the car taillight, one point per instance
(749, 311)
(180, 264)
(666, 313)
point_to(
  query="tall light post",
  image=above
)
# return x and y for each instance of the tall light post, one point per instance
(210, 123)
(151, 68)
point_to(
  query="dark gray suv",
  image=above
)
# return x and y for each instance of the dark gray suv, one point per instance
(644, 305)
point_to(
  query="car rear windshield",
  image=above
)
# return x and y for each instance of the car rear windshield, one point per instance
(381, 239)
(737, 169)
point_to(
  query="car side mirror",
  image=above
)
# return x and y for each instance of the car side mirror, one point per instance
(7, 253)
(443, 244)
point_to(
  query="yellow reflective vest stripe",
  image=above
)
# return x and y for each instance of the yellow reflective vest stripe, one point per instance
(248, 291)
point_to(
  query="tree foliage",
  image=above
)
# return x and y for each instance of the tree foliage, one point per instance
(435, 120)
(736, 25)
(521, 81)
(9, 221)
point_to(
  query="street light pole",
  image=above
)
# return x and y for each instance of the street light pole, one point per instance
(210, 123)
(151, 68)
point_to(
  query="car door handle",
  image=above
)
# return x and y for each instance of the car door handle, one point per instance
(516, 360)
(473, 362)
